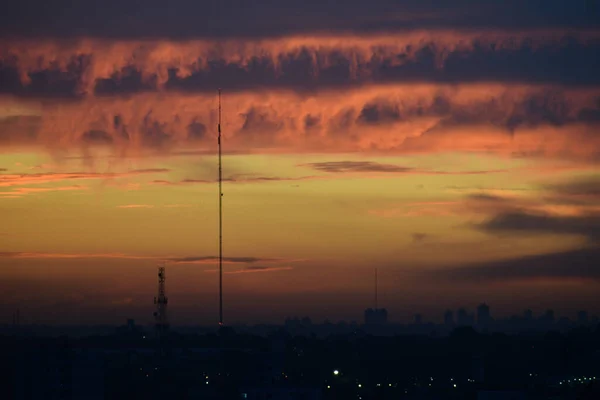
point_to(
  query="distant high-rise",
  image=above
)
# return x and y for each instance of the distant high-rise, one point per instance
(582, 317)
(449, 318)
(528, 315)
(418, 319)
(483, 316)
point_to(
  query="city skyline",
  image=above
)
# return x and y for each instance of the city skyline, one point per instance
(454, 149)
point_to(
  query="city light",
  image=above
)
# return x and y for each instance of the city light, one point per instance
(336, 372)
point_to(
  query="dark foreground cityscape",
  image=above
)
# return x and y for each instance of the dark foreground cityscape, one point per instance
(467, 357)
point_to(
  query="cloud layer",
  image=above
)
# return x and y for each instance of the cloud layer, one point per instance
(168, 259)
(567, 209)
(265, 18)
(505, 77)
(308, 63)
(511, 120)
(582, 265)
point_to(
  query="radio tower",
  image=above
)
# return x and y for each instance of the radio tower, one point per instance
(161, 300)
(220, 220)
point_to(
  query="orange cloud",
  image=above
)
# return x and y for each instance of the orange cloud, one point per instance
(20, 192)
(8, 180)
(402, 118)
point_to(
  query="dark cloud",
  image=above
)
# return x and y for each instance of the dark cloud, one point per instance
(261, 120)
(581, 188)
(60, 83)
(127, 81)
(379, 113)
(372, 166)
(578, 264)
(196, 131)
(243, 260)
(182, 260)
(524, 222)
(529, 216)
(265, 18)
(234, 179)
(545, 107)
(311, 121)
(356, 166)
(419, 237)
(569, 62)
(97, 137)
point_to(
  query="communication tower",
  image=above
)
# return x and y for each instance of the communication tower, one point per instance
(160, 315)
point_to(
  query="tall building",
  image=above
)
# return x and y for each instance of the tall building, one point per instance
(483, 316)
(418, 319)
(449, 318)
(582, 317)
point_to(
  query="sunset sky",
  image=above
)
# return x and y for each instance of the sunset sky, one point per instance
(453, 145)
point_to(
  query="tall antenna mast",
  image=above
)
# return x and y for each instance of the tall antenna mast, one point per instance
(376, 305)
(220, 221)
(161, 301)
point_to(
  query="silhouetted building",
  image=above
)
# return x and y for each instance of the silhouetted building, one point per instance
(528, 315)
(582, 318)
(483, 316)
(376, 316)
(449, 319)
(418, 319)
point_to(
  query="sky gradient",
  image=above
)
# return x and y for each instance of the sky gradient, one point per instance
(454, 148)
